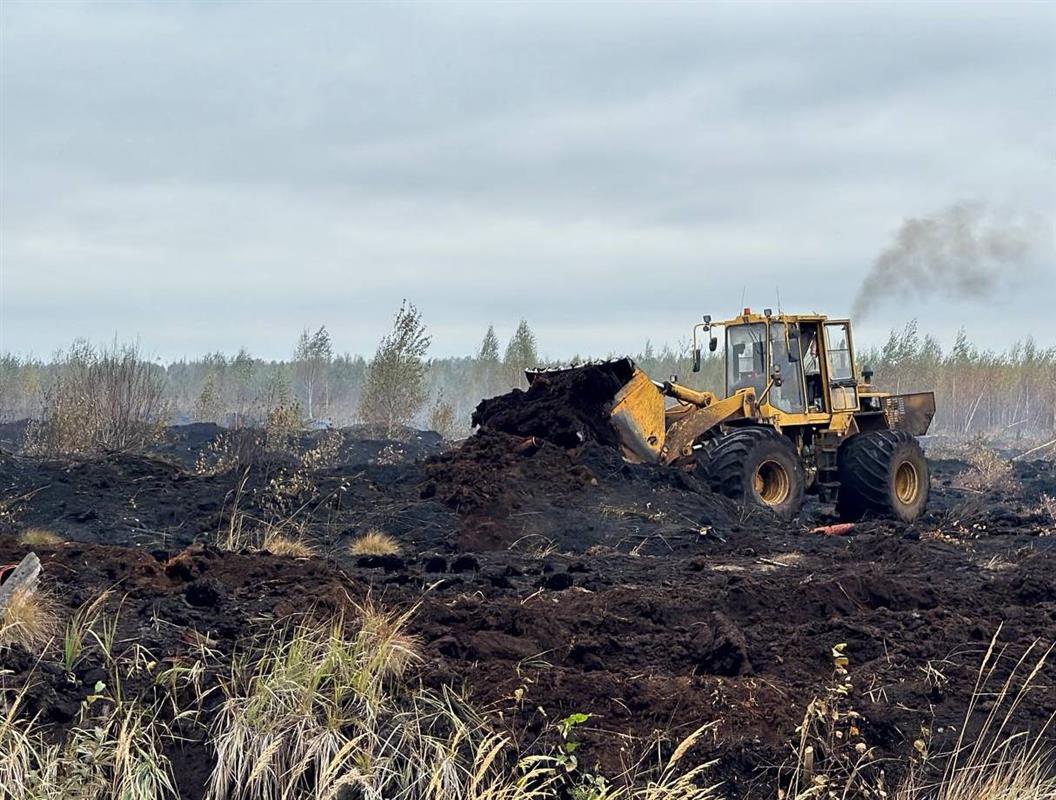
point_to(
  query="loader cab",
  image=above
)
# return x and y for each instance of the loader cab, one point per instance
(810, 360)
(807, 338)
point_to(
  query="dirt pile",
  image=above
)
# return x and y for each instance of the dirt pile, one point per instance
(567, 407)
(493, 476)
(545, 465)
(478, 473)
(508, 490)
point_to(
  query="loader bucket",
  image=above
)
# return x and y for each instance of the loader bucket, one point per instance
(620, 392)
(638, 415)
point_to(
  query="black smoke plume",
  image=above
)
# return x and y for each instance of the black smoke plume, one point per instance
(962, 252)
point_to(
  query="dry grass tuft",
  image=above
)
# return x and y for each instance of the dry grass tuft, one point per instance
(375, 543)
(40, 537)
(29, 620)
(384, 633)
(280, 545)
(282, 427)
(305, 707)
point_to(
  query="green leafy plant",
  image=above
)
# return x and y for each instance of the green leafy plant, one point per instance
(77, 629)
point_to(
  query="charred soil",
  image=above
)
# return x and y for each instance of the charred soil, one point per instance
(553, 578)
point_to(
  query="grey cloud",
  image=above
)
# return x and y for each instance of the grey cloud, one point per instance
(581, 165)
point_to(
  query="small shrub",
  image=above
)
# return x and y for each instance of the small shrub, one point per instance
(40, 537)
(375, 543)
(228, 451)
(100, 400)
(281, 428)
(29, 620)
(325, 452)
(1047, 507)
(987, 469)
(442, 417)
(288, 489)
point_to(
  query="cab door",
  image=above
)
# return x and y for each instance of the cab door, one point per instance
(839, 360)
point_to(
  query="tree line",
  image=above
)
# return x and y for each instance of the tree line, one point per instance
(400, 386)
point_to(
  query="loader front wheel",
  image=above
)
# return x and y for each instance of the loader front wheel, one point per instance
(883, 472)
(759, 467)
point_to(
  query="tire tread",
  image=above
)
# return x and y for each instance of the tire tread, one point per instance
(865, 468)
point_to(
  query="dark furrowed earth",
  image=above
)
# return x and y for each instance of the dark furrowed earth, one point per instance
(551, 579)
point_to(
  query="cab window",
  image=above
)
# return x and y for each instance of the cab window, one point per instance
(808, 348)
(746, 357)
(843, 390)
(838, 347)
(789, 395)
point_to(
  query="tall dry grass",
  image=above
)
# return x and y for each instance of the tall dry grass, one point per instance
(994, 757)
(328, 708)
(113, 752)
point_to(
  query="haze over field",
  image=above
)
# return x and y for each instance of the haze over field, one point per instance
(207, 176)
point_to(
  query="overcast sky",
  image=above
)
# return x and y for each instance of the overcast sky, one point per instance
(205, 175)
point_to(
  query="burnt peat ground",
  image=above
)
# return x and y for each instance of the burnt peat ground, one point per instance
(550, 580)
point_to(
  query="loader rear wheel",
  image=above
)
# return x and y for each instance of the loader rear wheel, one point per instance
(883, 472)
(759, 467)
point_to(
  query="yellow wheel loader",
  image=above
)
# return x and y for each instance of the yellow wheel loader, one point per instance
(797, 417)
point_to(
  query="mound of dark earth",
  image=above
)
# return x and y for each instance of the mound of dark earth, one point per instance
(159, 499)
(512, 489)
(567, 407)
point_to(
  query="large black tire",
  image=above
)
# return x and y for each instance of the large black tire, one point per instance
(885, 473)
(759, 467)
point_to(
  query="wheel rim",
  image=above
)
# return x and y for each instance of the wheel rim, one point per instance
(907, 483)
(772, 483)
